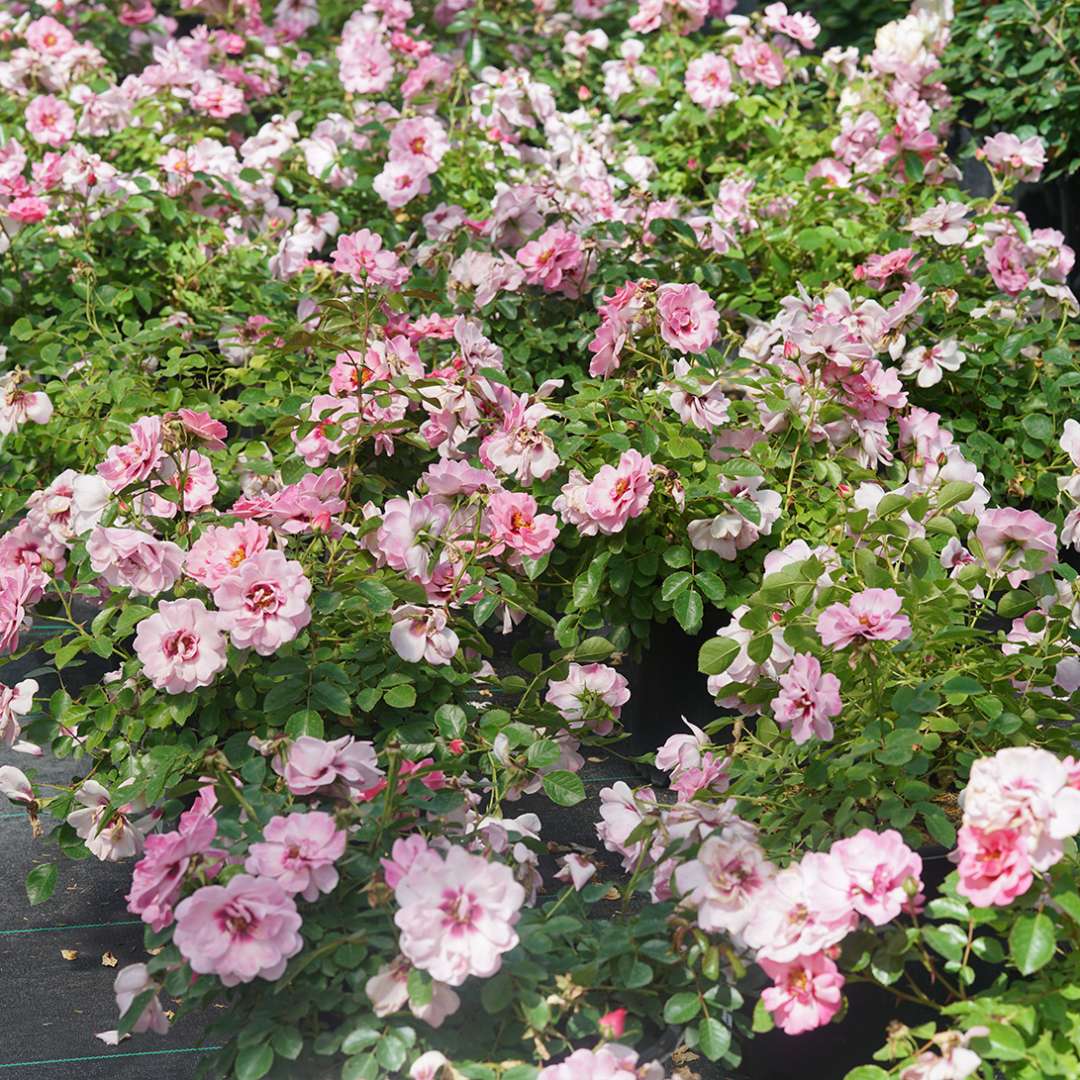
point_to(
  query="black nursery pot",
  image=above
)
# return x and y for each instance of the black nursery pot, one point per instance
(666, 686)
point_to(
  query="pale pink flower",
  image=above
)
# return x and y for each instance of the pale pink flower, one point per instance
(994, 867)
(131, 982)
(808, 700)
(46, 35)
(181, 646)
(688, 317)
(362, 257)
(222, 549)
(870, 615)
(194, 477)
(27, 210)
(204, 427)
(512, 521)
(401, 181)
(1006, 535)
(620, 814)
(704, 405)
(311, 764)
(605, 503)
(929, 363)
(136, 460)
(708, 81)
(49, 120)
(592, 694)
(724, 879)
(1006, 259)
(553, 259)
(402, 855)
(801, 910)
(1027, 789)
(15, 786)
(18, 406)
(806, 993)
(956, 1062)
(388, 992)
(758, 62)
(244, 930)
(15, 701)
(421, 633)
(681, 752)
(457, 914)
(263, 602)
(428, 1065)
(299, 851)
(576, 870)
(1018, 159)
(20, 587)
(159, 875)
(880, 869)
(944, 221)
(610, 1061)
(421, 141)
(135, 560)
(109, 836)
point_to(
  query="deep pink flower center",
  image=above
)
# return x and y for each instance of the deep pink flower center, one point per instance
(181, 645)
(459, 909)
(262, 597)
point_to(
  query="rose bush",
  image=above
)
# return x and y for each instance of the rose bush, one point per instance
(379, 378)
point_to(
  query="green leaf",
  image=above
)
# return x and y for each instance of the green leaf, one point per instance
(1003, 1042)
(713, 1038)
(717, 655)
(360, 1038)
(594, 648)
(564, 788)
(304, 722)
(542, 753)
(1038, 426)
(955, 491)
(451, 721)
(254, 1062)
(420, 988)
(867, 1072)
(1031, 942)
(762, 1021)
(391, 1052)
(331, 697)
(689, 610)
(682, 1008)
(401, 697)
(360, 1068)
(675, 584)
(40, 883)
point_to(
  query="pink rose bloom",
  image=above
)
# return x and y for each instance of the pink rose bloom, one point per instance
(1029, 790)
(724, 879)
(204, 427)
(299, 851)
(808, 700)
(803, 909)
(688, 318)
(181, 646)
(402, 855)
(109, 838)
(46, 35)
(576, 870)
(944, 221)
(512, 520)
(553, 259)
(131, 982)
(421, 633)
(15, 701)
(1007, 262)
(621, 813)
(49, 120)
(870, 615)
(806, 992)
(429, 1065)
(195, 479)
(587, 690)
(1015, 158)
(956, 1062)
(244, 930)
(456, 915)
(311, 764)
(15, 785)
(135, 560)
(929, 363)
(1005, 535)
(125, 465)
(18, 406)
(263, 602)
(388, 992)
(27, 210)
(401, 181)
(708, 81)
(758, 62)
(994, 867)
(421, 142)
(159, 875)
(222, 549)
(19, 588)
(878, 865)
(361, 256)
(609, 1061)
(681, 752)
(610, 499)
